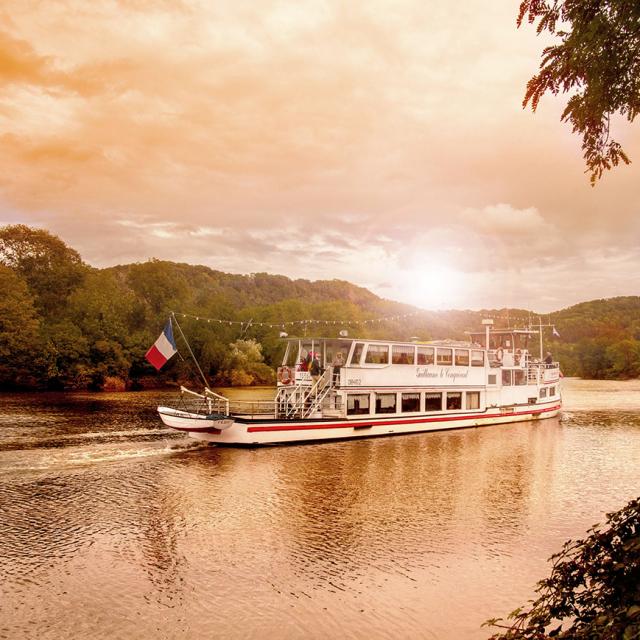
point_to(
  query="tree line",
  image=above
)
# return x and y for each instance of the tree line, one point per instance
(67, 325)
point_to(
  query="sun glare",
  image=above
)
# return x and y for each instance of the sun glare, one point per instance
(435, 287)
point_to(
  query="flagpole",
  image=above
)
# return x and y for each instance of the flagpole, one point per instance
(173, 315)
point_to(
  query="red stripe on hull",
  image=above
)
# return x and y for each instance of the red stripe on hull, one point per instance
(345, 425)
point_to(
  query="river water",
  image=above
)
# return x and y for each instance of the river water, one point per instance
(111, 526)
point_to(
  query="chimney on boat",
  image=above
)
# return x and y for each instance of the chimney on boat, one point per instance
(488, 323)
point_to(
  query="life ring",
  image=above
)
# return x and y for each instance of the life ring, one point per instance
(499, 354)
(285, 375)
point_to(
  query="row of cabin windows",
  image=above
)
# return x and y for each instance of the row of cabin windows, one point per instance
(404, 354)
(543, 392)
(360, 403)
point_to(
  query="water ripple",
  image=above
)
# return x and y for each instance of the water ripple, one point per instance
(113, 527)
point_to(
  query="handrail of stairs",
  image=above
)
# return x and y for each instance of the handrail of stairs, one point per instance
(309, 397)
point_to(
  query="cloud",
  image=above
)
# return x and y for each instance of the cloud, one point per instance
(503, 219)
(316, 139)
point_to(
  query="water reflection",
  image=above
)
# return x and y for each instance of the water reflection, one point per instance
(408, 499)
(112, 528)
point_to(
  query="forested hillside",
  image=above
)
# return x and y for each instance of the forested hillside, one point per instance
(66, 325)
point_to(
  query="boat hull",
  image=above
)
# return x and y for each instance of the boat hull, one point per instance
(194, 422)
(256, 432)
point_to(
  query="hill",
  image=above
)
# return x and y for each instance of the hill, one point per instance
(66, 325)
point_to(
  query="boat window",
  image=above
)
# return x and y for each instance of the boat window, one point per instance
(425, 355)
(543, 393)
(506, 377)
(454, 400)
(377, 354)
(385, 402)
(357, 403)
(519, 376)
(336, 352)
(552, 391)
(462, 358)
(473, 399)
(477, 358)
(357, 353)
(402, 355)
(291, 355)
(410, 402)
(433, 401)
(492, 378)
(445, 357)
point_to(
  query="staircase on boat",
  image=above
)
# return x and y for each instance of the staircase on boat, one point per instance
(304, 401)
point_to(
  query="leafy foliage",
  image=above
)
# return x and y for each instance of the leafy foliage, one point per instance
(600, 338)
(51, 269)
(20, 341)
(593, 590)
(95, 329)
(597, 61)
(244, 365)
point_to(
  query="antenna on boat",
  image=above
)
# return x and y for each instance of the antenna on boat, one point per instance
(173, 316)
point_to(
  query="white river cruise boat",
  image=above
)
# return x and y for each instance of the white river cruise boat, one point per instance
(363, 387)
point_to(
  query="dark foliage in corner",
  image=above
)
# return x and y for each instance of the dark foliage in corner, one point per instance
(593, 590)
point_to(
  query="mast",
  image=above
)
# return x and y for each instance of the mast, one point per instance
(206, 382)
(540, 336)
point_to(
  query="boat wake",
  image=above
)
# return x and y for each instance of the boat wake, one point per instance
(93, 457)
(75, 457)
(26, 440)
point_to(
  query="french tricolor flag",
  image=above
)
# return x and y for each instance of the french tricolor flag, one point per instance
(163, 348)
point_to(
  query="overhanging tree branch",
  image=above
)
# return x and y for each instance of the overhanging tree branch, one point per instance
(597, 60)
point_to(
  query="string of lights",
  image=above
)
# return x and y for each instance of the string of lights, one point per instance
(290, 323)
(311, 321)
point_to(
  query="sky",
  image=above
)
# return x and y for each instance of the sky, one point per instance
(380, 142)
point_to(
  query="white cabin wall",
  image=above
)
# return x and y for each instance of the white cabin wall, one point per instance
(432, 376)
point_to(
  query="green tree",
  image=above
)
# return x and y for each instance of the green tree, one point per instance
(597, 61)
(160, 284)
(594, 360)
(593, 590)
(68, 357)
(104, 310)
(245, 365)
(51, 268)
(20, 340)
(625, 359)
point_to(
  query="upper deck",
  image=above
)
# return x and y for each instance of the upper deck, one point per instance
(357, 362)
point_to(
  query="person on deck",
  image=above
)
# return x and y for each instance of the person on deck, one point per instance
(549, 359)
(314, 368)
